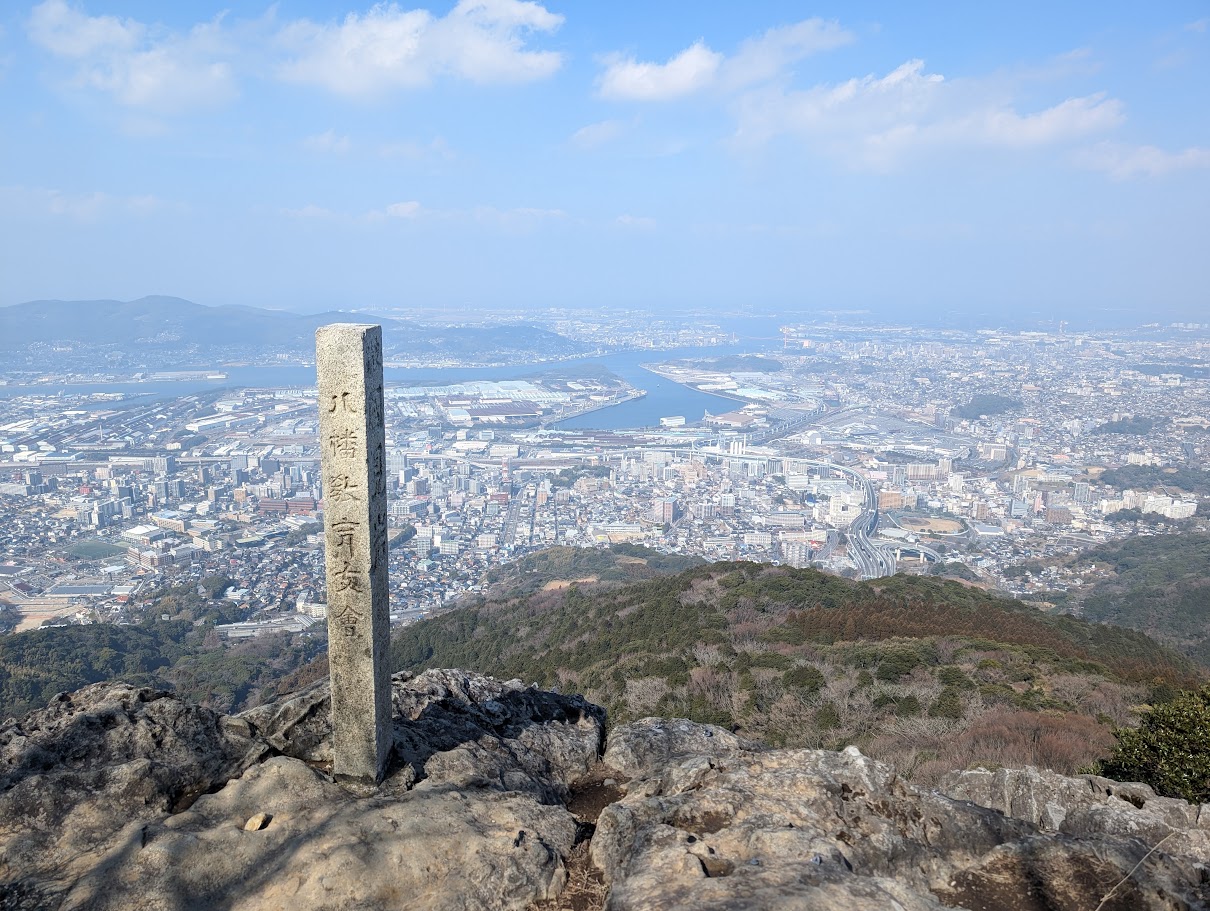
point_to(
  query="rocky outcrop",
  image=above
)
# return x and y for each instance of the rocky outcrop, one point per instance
(1087, 805)
(73, 774)
(116, 797)
(709, 824)
(458, 729)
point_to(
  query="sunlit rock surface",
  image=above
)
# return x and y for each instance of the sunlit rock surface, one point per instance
(116, 797)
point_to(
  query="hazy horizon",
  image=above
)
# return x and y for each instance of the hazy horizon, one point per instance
(1010, 164)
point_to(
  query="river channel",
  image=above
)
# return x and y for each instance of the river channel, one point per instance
(664, 398)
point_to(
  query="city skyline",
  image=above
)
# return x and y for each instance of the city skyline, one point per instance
(514, 155)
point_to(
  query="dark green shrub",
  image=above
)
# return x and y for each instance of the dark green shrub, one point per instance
(773, 660)
(805, 677)
(948, 704)
(998, 694)
(1170, 750)
(953, 676)
(827, 717)
(896, 664)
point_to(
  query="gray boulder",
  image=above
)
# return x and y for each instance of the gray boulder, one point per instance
(315, 846)
(457, 728)
(643, 747)
(75, 773)
(117, 797)
(1086, 806)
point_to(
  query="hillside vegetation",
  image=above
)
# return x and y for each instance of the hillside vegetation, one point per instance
(928, 674)
(985, 404)
(1158, 584)
(181, 654)
(1150, 477)
(557, 566)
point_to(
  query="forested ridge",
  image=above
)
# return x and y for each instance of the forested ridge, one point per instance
(1158, 584)
(924, 672)
(620, 563)
(927, 673)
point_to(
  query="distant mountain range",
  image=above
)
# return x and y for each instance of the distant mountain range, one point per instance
(173, 323)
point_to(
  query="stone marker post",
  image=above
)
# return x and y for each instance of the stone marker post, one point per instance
(348, 360)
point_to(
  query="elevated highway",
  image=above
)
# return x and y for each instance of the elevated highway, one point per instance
(899, 548)
(873, 560)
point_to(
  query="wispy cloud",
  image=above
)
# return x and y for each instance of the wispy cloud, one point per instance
(6, 58)
(1199, 26)
(412, 210)
(519, 220)
(640, 222)
(698, 67)
(387, 48)
(874, 121)
(136, 65)
(309, 211)
(328, 141)
(772, 54)
(597, 134)
(409, 209)
(94, 206)
(1123, 162)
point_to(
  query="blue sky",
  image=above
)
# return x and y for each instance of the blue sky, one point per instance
(982, 158)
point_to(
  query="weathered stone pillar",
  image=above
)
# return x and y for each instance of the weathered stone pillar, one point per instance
(348, 360)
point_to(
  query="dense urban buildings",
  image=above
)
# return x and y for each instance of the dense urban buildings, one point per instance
(981, 455)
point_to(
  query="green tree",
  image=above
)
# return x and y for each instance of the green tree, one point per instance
(1170, 749)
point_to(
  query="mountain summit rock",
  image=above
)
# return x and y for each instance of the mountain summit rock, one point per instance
(503, 796)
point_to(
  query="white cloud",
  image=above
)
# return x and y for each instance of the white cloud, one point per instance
(1067, 120)
(483, 41)
(69, 32)
(596, 134)
(874, 121)
(531, 212)
(309, 211)
(640, 222)
(692, 70)
(697, 68)
(522, 220)
(78, 206)
(138, 66)
(769, 56)
(1198, 26)
(6, 58)
(328, 141)
(1123, 162)
(40, 202)
(410, 209)
(526, 216)
(152, 67)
